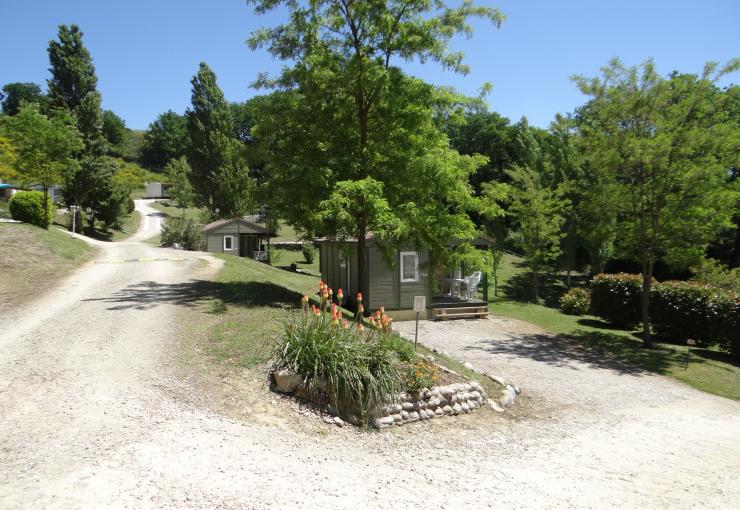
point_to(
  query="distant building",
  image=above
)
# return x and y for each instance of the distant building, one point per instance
(156, 190)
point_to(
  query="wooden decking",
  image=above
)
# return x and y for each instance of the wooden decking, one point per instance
(452, 307)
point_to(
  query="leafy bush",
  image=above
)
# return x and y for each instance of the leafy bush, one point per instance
(686, 310)
(186, 233)
(28, 206)
(309, 252)
(712, 272)
(576, 301)
(420, 375)
(361, 372)
(616, 298)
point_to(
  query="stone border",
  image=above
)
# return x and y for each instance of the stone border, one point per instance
(449, 400)
(508, 393)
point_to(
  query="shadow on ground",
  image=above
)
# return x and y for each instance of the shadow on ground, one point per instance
(595, 349)
(145, 295)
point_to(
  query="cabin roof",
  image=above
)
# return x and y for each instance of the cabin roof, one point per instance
(250, 228)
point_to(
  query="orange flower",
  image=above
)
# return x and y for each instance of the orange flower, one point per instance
(361, 309)
(340, 294)
(331, 292)
(334, 309)
(345, 324)
(359, 297)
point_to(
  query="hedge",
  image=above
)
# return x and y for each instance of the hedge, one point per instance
(616, 298)
(678, 310)
(576, 301)
(28, 206)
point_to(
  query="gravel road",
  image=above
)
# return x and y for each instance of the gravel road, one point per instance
(93, 415)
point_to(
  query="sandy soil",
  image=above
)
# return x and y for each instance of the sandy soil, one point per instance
(93, 414)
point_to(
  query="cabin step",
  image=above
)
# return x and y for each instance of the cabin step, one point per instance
(460, 312)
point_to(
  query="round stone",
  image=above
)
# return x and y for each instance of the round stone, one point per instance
(405, 415)
(448, 410)
(438, 412)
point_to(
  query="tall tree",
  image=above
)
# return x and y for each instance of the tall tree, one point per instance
(167, 138)
(178, 179)
(354, 109)
(72, 70)
(15, 94)
(43, 146)
(220, 175)
(114, 132)
(666, 145)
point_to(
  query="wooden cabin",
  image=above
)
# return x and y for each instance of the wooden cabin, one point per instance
(239, 237)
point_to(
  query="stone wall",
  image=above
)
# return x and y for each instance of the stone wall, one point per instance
(450, 400)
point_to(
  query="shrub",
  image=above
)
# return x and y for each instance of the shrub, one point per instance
(420, 375)
(186, 233)
(309, 252)
(616, 298)
(679, 311)
(576, 301)
(28, 206)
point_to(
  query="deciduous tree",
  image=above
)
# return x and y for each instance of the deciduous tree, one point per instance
(666, 146)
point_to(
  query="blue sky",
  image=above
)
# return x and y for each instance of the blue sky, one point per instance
(145, 52)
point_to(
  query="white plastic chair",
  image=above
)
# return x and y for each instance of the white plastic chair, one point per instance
(471, 284)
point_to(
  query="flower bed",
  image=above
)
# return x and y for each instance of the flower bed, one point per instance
(365, 375)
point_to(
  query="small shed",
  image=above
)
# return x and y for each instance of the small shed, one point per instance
(156, 190)
(236, 236)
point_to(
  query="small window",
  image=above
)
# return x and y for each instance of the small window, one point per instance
(409, 266)
(228, 243)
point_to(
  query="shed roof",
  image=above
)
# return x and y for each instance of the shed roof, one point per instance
(250, 228)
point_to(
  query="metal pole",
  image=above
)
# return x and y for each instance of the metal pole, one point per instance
(74, 214)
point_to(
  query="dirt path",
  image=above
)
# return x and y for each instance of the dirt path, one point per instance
(92, 416)
(602, 432)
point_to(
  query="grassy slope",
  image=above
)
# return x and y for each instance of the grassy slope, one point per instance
(191, 213)
(32, 258)
(251, 303)
(284, 258)
(708, 370)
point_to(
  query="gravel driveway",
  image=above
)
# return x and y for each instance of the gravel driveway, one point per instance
(93, 415)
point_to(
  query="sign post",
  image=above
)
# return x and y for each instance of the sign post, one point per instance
(420, 305)
(74, 217)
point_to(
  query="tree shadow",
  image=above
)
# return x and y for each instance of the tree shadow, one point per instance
(146, 295)
(595, 349)
(519, 288)
(596, 323)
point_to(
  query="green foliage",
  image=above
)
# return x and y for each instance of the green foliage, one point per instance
(361, 372)
(177, 172)
(220, 176)
(72, 70)
(28, 206)
(167, 138)
(576, 301)
(14, 95)
(664, 146)
(114, 208)
(133, 176)
(343, 113)
(115, 132)
(186, 233)
(309, 252)
(420, 375)
(616, 298)
(43, 146)
(710, 272)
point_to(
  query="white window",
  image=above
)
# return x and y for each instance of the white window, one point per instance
(409, 266)
(228, 243)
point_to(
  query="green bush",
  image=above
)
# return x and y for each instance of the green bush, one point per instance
(309, 252)
(576, 301)
(361, 370)
(686, 310)
(186, 233)
(28, 206)
(616, 298)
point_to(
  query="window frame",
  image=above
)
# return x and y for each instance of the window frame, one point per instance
(415, 254)
(231, 239)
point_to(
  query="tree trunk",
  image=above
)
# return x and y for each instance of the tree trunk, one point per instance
(45, 221)
(535, 285)
(361, 243)
(647, 281)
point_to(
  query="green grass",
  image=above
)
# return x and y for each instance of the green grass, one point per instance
(285, 233)
(284, 257)
(32, 259)
(708, 370)
(169, 208)
(250, 301)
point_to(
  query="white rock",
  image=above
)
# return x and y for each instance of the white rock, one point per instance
(475, 395)
(383, 422)
(405, 415)
(456, 409)
(329, 420)
(448, 410)
(407, 406)
(397, 418)
(286, 381)
(517, 389)
(433, 402)
(438, 412)
(414, 416)
(465, 407)
(338, 421)
(494, 405)
(468, 365)
(497, 379)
